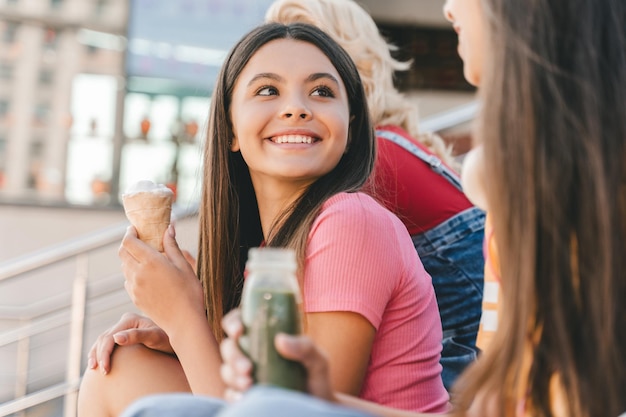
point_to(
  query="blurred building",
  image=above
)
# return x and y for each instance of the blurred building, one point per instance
(96, 94)
(44, 46)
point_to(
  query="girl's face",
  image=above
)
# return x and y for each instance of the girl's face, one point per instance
(290, 114)
(468, 21)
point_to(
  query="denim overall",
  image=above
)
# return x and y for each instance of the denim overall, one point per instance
(452, 253)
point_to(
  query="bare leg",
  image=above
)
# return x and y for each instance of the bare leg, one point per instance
(136, 371)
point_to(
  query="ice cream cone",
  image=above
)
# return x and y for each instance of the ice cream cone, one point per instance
(148, 207)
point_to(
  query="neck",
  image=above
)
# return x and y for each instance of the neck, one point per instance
(273, 198)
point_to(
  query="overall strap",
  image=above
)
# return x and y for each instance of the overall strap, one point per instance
(432, 160)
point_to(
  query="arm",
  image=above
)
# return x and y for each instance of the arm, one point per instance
(347, 339)
(198, 353)
(167, 290)
(473, 177)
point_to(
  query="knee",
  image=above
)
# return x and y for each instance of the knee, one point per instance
(96, 386)
(123, 359)
(136, 371)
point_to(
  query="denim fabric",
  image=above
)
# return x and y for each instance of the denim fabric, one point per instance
(258, 402)
(452, 253)
(277, 402)
(174, 405)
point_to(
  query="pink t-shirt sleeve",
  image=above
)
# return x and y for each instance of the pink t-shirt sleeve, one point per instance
(350, 253)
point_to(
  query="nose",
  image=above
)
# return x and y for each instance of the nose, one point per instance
(296, 108)
(447, 12)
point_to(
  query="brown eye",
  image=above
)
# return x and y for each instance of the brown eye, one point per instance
(323, 91)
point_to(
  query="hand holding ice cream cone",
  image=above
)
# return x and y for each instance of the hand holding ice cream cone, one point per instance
(148, 207)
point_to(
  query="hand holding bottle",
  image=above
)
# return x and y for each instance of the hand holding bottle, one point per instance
(237, 368)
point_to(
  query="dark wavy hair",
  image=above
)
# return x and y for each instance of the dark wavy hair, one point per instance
(553, 124)
(229, 217)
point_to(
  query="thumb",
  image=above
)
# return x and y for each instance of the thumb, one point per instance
(302, 349)
(148, 337)
(129, 337)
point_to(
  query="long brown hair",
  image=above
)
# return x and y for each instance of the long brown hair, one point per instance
(553, 125)
(229, 217)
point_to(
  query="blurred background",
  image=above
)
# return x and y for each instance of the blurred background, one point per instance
(97, 94)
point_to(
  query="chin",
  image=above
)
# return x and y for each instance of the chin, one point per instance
(471, 76)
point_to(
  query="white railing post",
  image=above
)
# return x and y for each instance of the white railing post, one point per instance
(77, 325)
(21, 379)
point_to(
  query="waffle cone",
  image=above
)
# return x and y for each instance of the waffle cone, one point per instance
(150, 214)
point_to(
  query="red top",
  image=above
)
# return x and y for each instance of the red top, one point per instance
(407, 186)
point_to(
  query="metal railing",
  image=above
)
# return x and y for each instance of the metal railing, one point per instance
(451, 118)
(52, 313)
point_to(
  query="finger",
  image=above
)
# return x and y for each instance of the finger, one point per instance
(132, 246)
(232, 324)
(232, 354)
(301, 349)
(173, 251)
(232, 396)
(127, 321)
(122, 338)
(92, 362)
(152, 338)
(233, 380)
(191, 260)
(228, 375)
(132, 231)
(106, 344)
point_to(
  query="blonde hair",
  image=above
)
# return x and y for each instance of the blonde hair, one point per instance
(355, 30)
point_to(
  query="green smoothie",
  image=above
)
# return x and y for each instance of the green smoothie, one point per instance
(266, 313)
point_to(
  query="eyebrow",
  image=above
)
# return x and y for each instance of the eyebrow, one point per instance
(313, 77)
(263, 75)
(319, 75)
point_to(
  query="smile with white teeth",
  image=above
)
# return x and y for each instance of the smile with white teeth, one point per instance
(293, 139)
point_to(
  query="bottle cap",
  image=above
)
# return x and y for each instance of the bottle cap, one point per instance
(269, 257)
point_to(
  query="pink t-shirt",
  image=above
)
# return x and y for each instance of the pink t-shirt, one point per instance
(360, 258)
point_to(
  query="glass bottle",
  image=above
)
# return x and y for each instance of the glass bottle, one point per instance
(271, 304)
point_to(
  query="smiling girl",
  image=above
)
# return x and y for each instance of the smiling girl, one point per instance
(289, 146)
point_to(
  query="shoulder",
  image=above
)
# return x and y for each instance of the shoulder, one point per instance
(356, 200)
(358, 216)
(357, 207)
